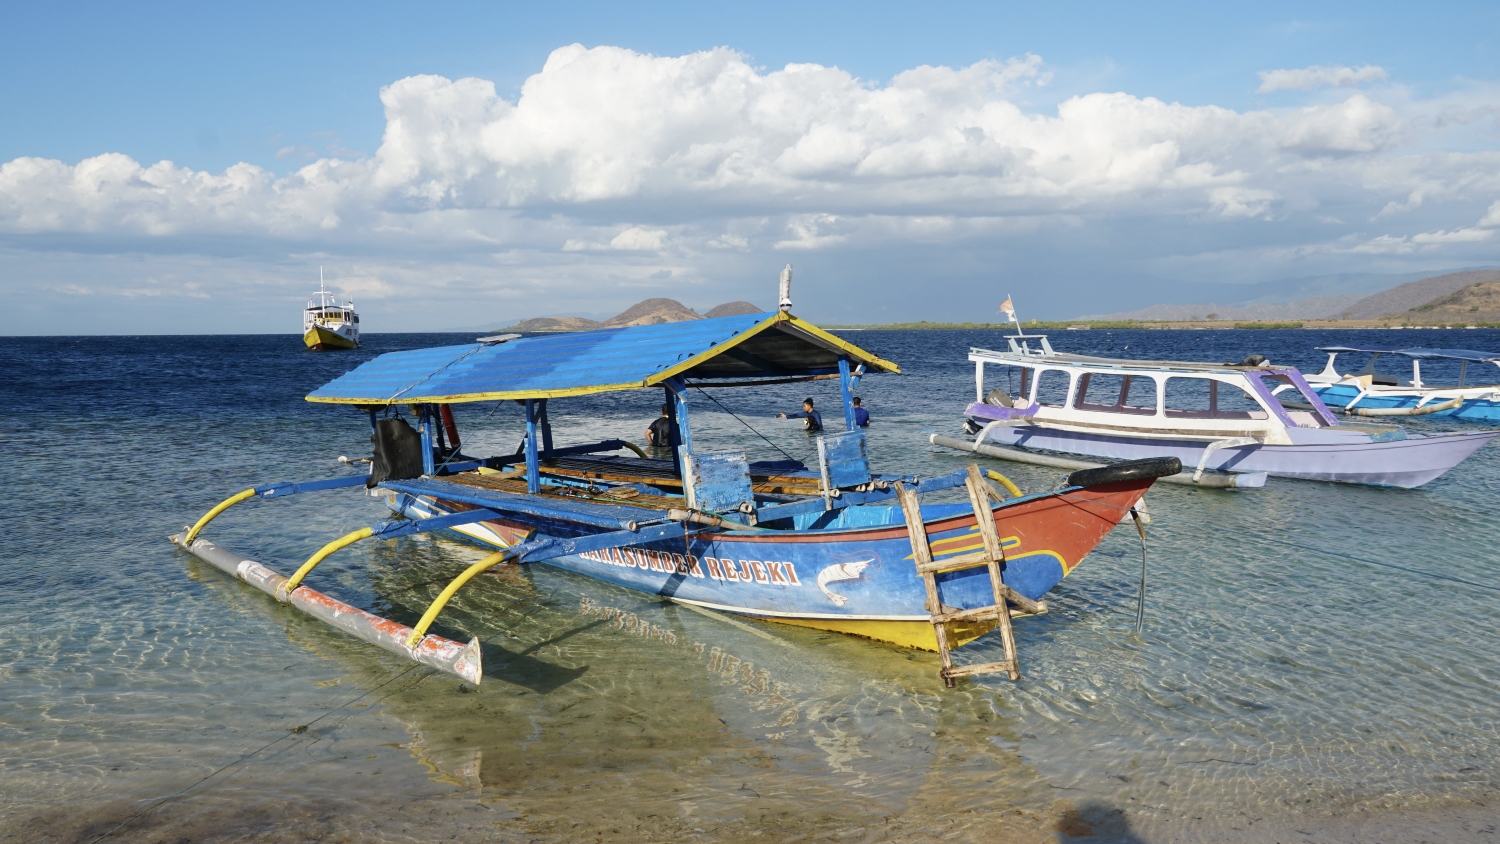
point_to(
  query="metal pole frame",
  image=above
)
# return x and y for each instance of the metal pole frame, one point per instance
(424, 422)
(546, 424)
(677, 414)
(533, 464)
(846, 386)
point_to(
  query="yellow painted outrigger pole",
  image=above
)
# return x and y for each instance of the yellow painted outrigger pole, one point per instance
(214, 513)
(447, 594)
(323, 553)
(280, 490)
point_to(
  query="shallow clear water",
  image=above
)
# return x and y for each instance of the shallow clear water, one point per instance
(1277, 687)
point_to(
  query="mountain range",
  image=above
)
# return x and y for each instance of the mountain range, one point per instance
(647, 312)
(1343, 296)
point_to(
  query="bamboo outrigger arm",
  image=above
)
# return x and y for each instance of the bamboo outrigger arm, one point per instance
(278, 490)
(389, 529)
(437, 652)
(536, 551)
(414, 642)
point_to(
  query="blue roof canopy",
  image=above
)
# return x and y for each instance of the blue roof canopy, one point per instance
(605, 360)
(1420, 352)
(1452, 354)
(1379, 350)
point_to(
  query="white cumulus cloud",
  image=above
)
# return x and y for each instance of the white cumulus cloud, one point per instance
(1318, 76)
(710, 130)
(610, 166)
(1491, 218)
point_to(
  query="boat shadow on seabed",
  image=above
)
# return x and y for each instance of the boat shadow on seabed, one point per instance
(617, 713)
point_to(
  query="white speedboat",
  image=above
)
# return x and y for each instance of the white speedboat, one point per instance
(1213, 417)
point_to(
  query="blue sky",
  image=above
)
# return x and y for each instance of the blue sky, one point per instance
(1112, 148)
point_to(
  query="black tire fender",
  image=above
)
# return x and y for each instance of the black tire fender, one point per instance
(1129, 470)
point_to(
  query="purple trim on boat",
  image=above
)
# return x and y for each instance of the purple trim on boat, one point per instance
(1343, 454)
(1302, 387)
(996, 413)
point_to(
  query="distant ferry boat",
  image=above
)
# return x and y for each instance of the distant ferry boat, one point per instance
(328, 325)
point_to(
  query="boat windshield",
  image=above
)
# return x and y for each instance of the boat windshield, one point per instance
(1271, 384)
(1187, 397)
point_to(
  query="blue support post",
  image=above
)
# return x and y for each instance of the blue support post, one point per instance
(846, 385)
(533, 466)
(374, 418)
(682, 432)
(429, 466)
(546, 423)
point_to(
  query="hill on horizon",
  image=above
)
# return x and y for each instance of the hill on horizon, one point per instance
(1478, 302)
(1415, 294)
(1338, 297)
(654, 311)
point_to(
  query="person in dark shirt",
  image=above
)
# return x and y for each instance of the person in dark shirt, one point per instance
(814, 418)
(861, 416)
(659, 435)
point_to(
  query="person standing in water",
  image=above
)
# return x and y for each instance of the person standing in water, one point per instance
(659, 435)
(861, 416)
(814, 418)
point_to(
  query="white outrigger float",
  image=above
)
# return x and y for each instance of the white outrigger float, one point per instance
(1228, 422)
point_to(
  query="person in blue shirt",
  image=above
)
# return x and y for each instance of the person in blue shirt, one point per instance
(861, 416)
(814, 418)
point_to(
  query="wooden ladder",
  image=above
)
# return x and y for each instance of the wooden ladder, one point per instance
(991, 557)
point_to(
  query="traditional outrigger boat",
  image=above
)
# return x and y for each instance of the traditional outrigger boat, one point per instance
(1240, 420)
(835, 547)
(1371, 393)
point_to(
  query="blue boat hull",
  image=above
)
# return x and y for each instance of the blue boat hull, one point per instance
(1472, 410)
(855, 574)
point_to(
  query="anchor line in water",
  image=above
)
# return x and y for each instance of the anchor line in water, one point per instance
(300, 730)
(1316, 550)
(1432, 574)
(710, 397)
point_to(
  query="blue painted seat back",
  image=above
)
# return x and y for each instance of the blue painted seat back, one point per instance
(844, 461)
(717, 481)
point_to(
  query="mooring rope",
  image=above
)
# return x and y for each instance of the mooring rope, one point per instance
(293, 732)
(1432, 574)
(710, 397)
(1301, 546)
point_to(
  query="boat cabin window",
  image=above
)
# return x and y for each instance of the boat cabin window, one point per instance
(1052, 387)
(1113, 393)
(1205, 398)
(1013, 381)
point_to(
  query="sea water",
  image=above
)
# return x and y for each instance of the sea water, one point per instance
(1305, 670)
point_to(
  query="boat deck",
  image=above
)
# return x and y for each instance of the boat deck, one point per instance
(781, 477)
(628, 495)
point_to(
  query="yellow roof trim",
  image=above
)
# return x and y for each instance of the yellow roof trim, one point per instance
(461, 398)
(843, 345)
(713, 351)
